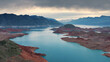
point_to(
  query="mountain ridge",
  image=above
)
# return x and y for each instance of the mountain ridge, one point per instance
(26, 20)
(102, 20)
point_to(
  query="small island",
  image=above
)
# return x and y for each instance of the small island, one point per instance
(93, 38)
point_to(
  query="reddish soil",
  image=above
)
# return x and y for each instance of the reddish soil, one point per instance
(107, 54)
(28, 54)
(13, 30)
(6, 35)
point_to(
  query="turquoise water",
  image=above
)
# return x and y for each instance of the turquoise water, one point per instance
(58, 50)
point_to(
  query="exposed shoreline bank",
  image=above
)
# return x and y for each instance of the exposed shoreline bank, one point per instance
(25, 53)
(92, 38)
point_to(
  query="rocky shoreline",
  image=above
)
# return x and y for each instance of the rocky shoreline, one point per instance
(29, 54)
(18, 53)
(93, 38)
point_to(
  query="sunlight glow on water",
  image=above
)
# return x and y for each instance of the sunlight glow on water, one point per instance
(87, 26)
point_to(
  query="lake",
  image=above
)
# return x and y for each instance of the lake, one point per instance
(57, 50)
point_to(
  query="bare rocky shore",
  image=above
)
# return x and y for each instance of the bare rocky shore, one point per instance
(93, 38)
(12, 52)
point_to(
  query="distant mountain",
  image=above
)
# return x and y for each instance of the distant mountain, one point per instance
(65, 21)
(102, 20)
(26, 20)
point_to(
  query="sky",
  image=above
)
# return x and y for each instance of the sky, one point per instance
(57, 9)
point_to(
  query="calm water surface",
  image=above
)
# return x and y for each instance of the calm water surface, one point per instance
(58, 50)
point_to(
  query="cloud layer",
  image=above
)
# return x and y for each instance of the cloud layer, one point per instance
(94, 4)
(91, 4)
(58, 9)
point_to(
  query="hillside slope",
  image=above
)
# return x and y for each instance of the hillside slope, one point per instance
(26, 20)
(102, 20)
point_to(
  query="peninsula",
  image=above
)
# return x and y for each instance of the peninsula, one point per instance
(12, 52)
(93, 38)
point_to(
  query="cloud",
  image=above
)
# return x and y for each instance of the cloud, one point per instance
(58, 9)
(90, 4)
(15, 4)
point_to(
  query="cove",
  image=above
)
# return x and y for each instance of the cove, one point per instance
(57, 50)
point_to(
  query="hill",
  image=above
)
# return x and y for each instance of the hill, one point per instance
(26, 20)
(102, 20)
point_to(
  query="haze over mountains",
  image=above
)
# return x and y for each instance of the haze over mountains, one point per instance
(102, 20)
(26, 20)
(40, 21)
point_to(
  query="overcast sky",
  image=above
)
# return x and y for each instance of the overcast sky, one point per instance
(58, 9)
